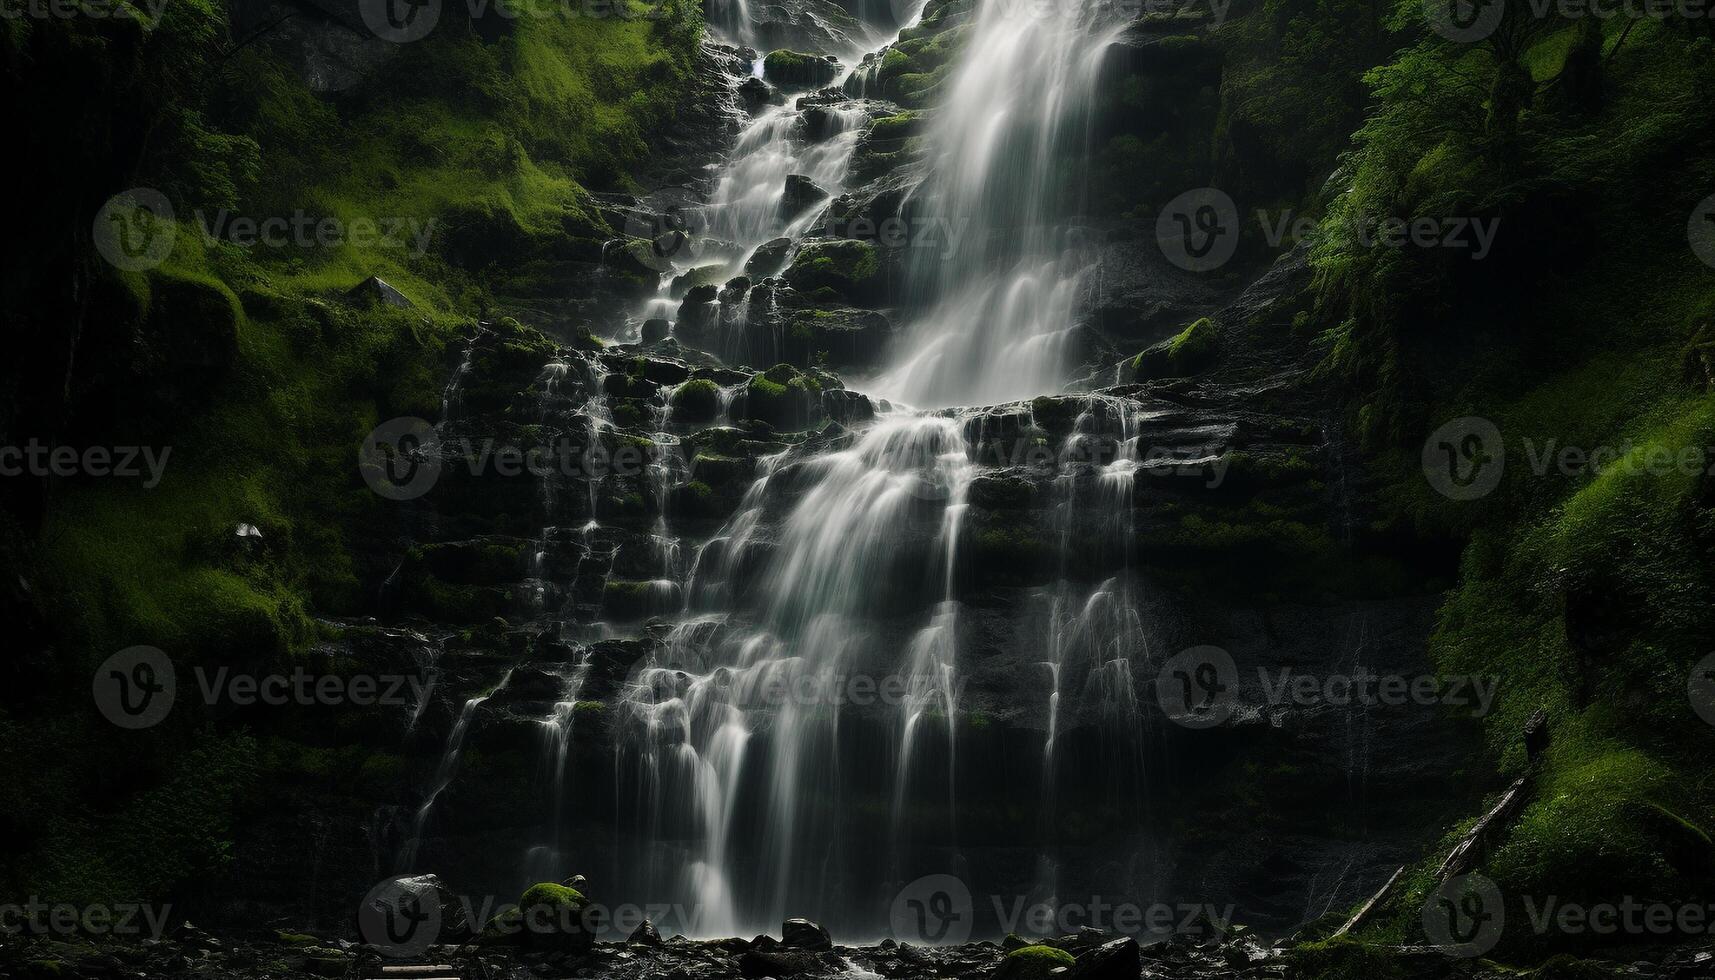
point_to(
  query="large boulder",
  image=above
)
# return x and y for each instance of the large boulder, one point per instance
(1033, 963)
(1116, 959)
(548, 917)
(1193, 351)
(784, 398)
(769, 259)
(846, 268)
(804, 934)
(800, 195)
(795, 69)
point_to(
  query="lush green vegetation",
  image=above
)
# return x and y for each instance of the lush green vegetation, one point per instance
(1583, 590)
(471, 156)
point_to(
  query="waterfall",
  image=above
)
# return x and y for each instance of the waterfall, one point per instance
(444, 773)
(543, 862)
(1005, 157)
(741, 710)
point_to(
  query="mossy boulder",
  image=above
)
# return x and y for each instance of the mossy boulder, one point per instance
(841, 336)
(696, 401)
(1193, 351)
(1033, 963)
(548, 917)
(847, 267)
(784, 397)
(795, 69)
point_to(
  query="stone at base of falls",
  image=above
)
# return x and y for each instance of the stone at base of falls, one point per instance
(779, 963)
(411, 899)
(1033, 963)
(376, 289)
(804, 934)
(646, 934)
(1117, 959)
(655, 330)
(548, 917)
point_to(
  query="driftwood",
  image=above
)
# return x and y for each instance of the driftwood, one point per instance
(1464, 853)
(1369, 908)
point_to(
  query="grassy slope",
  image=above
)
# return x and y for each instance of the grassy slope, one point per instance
(1587, 595)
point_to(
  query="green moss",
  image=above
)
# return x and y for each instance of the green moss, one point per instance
(558, 897)
(1041, 956)
(697, 400)
(849, 268)
(1191, 351)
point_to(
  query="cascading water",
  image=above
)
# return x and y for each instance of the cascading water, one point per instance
(744, 717)
(1005, 156)
(752, 782)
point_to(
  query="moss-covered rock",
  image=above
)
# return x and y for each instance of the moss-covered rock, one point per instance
(1192, 351)
(784, 397)
(795, 69)
(695, 401)
(847, 267)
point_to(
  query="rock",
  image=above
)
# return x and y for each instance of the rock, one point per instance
(1113, 960)
(784, 398)
(1035, 963)
(655, 329)
(707, 275)
(795, 69)
(756, 93)
(548, 918)
(1193, 351)
(696, 401)
(778, 963)
(375, 289)
(646, 934)
(847, 267)
(841, 336)
(847, 407)
(801, 194)
(804, 934)
(769, 259)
